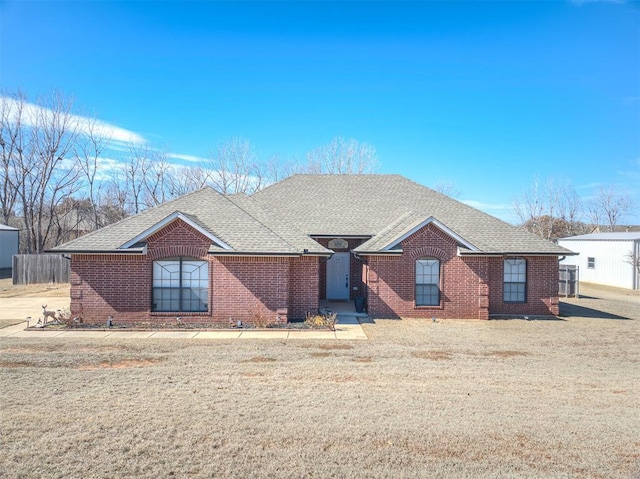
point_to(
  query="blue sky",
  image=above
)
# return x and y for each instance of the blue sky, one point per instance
(483, 94)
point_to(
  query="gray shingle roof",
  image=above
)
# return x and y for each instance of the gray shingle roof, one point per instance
(352, 205)
(282, 218)
(231, 219)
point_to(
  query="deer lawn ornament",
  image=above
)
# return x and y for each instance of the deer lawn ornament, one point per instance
(48, 314)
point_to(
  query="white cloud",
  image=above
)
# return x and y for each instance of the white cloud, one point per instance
(106, 130)
(487, 206)
(190, 158)
(31, 112)
(106, 168)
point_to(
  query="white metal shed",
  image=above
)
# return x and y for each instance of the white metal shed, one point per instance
(9, 243)
(606, 258)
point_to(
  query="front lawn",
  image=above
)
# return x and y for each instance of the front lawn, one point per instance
(419, 399)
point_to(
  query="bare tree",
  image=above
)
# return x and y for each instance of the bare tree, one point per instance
(550, 209)
(114, 200)
(234, 168)
(48, 175)
(342, 156)
(88, 151)
(447, 188)
(133, 171)
(609, 206)
(157, 173)
(73, 218)
(570, 210)
(278, 169)
(13, 144)
(531, 207)
(186, 179)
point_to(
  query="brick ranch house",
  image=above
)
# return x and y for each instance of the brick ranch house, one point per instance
(410, 251)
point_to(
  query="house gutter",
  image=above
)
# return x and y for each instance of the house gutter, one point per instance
(341, 236)
(396, 252)
(102, 252)
(268, 255)
(516, 253)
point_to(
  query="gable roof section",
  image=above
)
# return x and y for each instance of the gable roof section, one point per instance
(388, 241)
(366, 205)
(232, 229)
(170, 219)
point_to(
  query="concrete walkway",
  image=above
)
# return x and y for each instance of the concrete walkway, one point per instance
(348, 328)
(22, 308)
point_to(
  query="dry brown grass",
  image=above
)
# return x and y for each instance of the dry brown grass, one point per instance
(452, 399)
(259, 359)
(8, 290)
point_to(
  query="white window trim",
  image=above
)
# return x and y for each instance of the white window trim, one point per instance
(437, 284)
(525, 282)
(180, 288)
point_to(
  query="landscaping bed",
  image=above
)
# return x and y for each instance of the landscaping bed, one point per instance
(317, 322)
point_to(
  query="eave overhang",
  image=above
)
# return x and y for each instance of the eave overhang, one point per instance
(177, 215)
(441, 226)
(462, 252)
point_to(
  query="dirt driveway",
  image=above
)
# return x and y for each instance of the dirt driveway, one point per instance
(602, 302)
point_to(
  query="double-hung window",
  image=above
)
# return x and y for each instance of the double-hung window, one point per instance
(180, 285)
(515, 280)
(428, 282)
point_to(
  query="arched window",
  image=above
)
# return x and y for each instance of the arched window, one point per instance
(427, 282)
(180, 285)
(515, 280)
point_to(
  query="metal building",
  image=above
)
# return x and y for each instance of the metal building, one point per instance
(9, 243)
(610, 259)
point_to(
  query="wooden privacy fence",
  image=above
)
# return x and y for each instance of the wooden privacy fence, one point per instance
(569, 285)
(40, 268)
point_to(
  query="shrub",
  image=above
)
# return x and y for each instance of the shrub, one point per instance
(327, 320)
(260, 316)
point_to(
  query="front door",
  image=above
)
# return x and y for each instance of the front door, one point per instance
(338, 276)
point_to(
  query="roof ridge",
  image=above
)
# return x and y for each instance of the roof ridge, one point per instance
(394, 223)
(256, 219)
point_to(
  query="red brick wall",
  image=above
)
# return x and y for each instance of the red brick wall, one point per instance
(355, 269)
(243, 286)
(391, 289)
(177, 239)
(542, 287)
(121, 285)
(110, 285)
(304, 286)
(471, 287)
